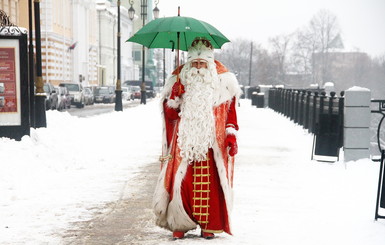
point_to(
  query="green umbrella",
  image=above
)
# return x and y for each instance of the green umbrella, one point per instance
(166, 32)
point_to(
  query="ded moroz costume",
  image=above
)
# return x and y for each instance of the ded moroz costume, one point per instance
(199, 143)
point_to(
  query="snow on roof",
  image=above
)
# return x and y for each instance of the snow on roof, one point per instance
(356, 88)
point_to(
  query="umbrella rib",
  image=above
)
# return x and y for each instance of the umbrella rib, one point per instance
(153, 39)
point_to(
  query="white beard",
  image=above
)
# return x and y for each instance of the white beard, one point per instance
(197, 126)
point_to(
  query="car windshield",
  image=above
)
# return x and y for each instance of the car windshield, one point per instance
(102, 91)
(46, 88)
(72, 87)
(135, 89)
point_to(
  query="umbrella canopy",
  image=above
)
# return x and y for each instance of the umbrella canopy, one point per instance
(164, 33)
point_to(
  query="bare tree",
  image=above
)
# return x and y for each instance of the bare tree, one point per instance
(324, 28)
(236, 56)
(313, 44)
(304, 45)
(280, 46)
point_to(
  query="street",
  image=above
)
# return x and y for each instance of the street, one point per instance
(97, 109)
(128, 220)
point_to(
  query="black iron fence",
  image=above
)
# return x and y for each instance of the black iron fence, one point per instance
(319, 113)
(377, 127)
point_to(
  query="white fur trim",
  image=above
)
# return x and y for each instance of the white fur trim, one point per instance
(231, 130)
(177, 218)
(228, 88)
(174, 103)
(166, 91)
(225, 182)
(200, 51)
(160, 200)
(172, 215)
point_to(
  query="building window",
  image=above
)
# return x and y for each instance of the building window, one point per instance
(137, 55)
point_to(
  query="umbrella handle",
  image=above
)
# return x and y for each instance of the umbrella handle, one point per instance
(173, 45)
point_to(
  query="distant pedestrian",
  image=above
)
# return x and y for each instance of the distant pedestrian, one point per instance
(199, 143)
(143, 93)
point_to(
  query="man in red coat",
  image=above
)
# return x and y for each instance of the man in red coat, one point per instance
(199, 143)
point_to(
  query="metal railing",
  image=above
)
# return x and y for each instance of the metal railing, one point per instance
(319, 113)
(377, 128)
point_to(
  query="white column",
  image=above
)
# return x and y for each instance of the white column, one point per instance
(356, 124)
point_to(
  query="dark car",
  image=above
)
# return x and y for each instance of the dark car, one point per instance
(51, 99)
(104, 95)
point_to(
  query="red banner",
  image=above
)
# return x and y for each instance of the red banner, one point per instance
(8, 95)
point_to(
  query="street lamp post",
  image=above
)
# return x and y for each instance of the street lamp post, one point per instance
(40, 117)
(131, 13)
(31, 66)
(118, 90)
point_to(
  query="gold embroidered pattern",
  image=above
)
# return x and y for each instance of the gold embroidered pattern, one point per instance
(201, 190)
(164, 159)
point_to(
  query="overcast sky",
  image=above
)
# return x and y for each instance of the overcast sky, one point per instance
(362, 21)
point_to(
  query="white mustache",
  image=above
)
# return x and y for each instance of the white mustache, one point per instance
(201, 71)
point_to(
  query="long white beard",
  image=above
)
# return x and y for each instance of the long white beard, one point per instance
(197, 126)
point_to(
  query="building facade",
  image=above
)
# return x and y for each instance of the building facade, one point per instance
(68, 40)
(141, 6)
(79, 40)
(83, 46)
(11, 8)
(107, 44)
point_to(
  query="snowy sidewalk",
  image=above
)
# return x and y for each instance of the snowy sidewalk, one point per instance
(74, 176)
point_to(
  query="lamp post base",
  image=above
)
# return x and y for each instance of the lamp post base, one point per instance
(143, 97)
(118, 100)
(40, 117)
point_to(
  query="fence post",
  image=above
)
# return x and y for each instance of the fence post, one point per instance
(286, 102)
(319, 111)
(356, 124)
(292, 103)
(296, 105)
(341, 102)
(331, 101)
(307, 110)
(313, 113)
(302, 108)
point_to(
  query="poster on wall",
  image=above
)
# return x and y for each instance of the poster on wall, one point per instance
(9, 83)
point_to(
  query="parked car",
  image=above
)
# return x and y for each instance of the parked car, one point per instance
(135, 90)
(76, 93)
(126, 93)
(51, 99)
(64, 98)
(2, 88)
(88, 96)
(150, 93)
(104, 95)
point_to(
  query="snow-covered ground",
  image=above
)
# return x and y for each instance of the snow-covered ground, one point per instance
(60, 173)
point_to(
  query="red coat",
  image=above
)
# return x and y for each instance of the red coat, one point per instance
(168, 202)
